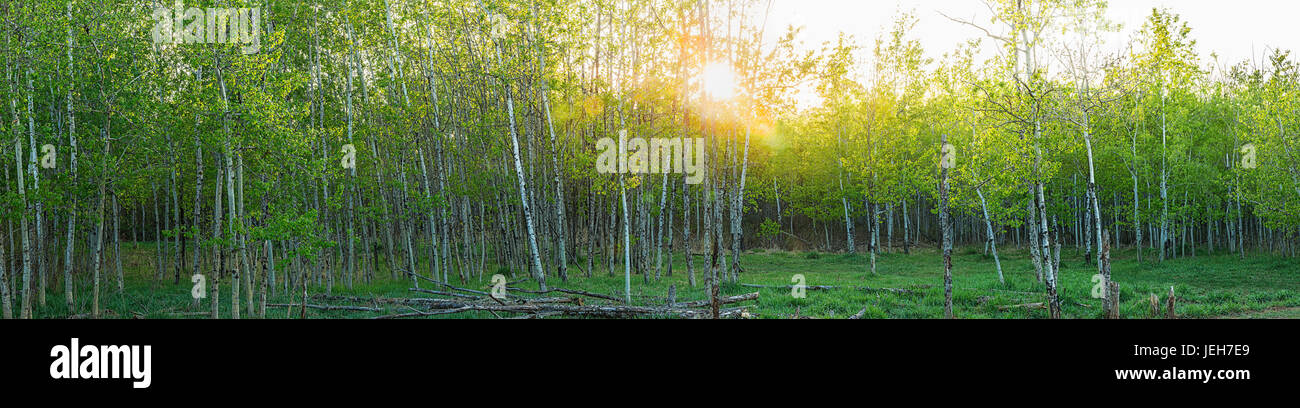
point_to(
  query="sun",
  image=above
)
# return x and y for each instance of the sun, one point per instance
(719, 81)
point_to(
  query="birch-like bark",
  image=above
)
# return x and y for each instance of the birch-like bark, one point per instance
(686, 232)
(627, 244)
(1096, 215)
(198, 204)
(555, 169)
(5, 295)
(117, 244)
(659, 231)
(988, 228)
(157, 235)
(669, 232)
(1137, 220)
(738, 210)
(1044, 237)
(907, 226)
(1045, 250)
(38, 261)
(235, 287)
(844, 200)
(72, 208)
(538, 272)
(434, 259)
(218, 258)
(889, 227)
(352, 173)
(245, 268)
(99, 220)
(945, 226)
(173, 189)
(24, 293)
(397, 54)
(1164, 182)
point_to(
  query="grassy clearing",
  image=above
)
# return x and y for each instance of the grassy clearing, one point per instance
(1260, 286)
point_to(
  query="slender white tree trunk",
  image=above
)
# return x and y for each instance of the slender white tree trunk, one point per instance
(988, 227)
(72, 208)
(538, 272)
(117, 244)
(945, 225)
(627, 244)
(235, 287)
(738, 210)
(38, 261)
(1164, 183)
(25, 291)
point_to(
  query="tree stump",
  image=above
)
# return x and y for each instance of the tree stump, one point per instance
(1113, 311)
(1170, 304)
(1154, 302)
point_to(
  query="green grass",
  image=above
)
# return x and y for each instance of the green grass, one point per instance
(1223, 285)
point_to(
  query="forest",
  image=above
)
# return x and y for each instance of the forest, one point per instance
(456, 158)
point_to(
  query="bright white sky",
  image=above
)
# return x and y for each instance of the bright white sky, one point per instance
(1236, 30)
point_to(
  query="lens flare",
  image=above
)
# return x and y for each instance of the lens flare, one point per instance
(719, 81)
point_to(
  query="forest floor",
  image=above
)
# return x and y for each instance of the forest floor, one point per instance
(1207, 286)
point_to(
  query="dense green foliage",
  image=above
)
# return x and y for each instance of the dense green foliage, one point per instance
(473, 126)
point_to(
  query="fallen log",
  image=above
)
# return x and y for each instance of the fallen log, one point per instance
(1037, 305)
(189, 313)
(532, 316)
(441, 293)
(557, 299)
(423, 313)
(569, 291)
(1016, 292)
(476, 292)
(328, 307)
(376, 300)
(721, 300)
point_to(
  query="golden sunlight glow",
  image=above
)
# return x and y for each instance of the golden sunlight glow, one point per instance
(719, 81)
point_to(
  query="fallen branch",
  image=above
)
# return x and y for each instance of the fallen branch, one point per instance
(419, 313)
(358, 299)
(1016, 292)
(533, 316)
(189, 313)
(441, 293)
(721, 300)
(329, 307)
(1038, 305)
(809, 244)
(557, 299)
(569, 291)
(476, 292)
